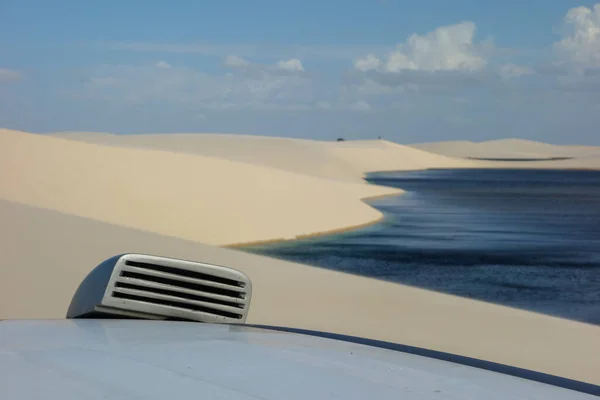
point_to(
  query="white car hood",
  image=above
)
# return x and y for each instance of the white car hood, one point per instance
(134, 359)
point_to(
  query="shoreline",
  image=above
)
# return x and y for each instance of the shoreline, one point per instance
(275, 241)
(241, 246)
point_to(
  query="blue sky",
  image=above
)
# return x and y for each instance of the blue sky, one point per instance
(409, 71)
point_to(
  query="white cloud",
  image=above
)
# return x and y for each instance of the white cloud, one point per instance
(580, 45)
(368, 63)
(510, 71)
(447, 48)
(264, 88)
(163, 64)
(432, 82)
(291, 65)
(365, 90)
(235, 61)
(131, 85)
(320, 51)
(9, 75)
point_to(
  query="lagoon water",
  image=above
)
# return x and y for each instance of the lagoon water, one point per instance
(522, 238)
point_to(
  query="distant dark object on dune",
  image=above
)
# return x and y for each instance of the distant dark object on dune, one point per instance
(340, 139)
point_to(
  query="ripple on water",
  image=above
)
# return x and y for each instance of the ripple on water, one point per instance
(526, 239)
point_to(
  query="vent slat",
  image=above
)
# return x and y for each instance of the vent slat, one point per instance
(142, 284)
(187, 285)
(185, 279)
(172, 301)
(211, 277)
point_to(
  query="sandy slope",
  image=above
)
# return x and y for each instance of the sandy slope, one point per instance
(381, 155)
(208, 188)
(300, 156)
(505, 148)
(206, 199)
(335, 160)
(582, 156)
(46, 254)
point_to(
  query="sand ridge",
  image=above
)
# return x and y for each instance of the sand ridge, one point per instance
(293, 155)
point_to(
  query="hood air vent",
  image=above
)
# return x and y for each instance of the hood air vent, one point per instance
(150, 287)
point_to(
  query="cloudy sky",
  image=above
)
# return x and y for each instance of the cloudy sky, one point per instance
(406, 70)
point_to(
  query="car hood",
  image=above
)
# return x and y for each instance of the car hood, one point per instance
(136, 359)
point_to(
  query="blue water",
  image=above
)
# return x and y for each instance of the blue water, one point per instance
(525, 239)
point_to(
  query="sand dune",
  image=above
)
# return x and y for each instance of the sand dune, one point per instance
(215, 190)
(68, 202)
(381, 155)
(308, 157)
(46, 254)
(347, 160)
(513, 148)
(206, 199)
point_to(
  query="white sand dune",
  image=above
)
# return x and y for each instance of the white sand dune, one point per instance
(348, 160)
(580, 156)
(206, 199)
(504, 148)
(294, 155)
(381, 155)
(68, 203)
(45, 255)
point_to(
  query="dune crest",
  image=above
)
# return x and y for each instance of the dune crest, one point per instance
(347, 160)
(293, 155)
